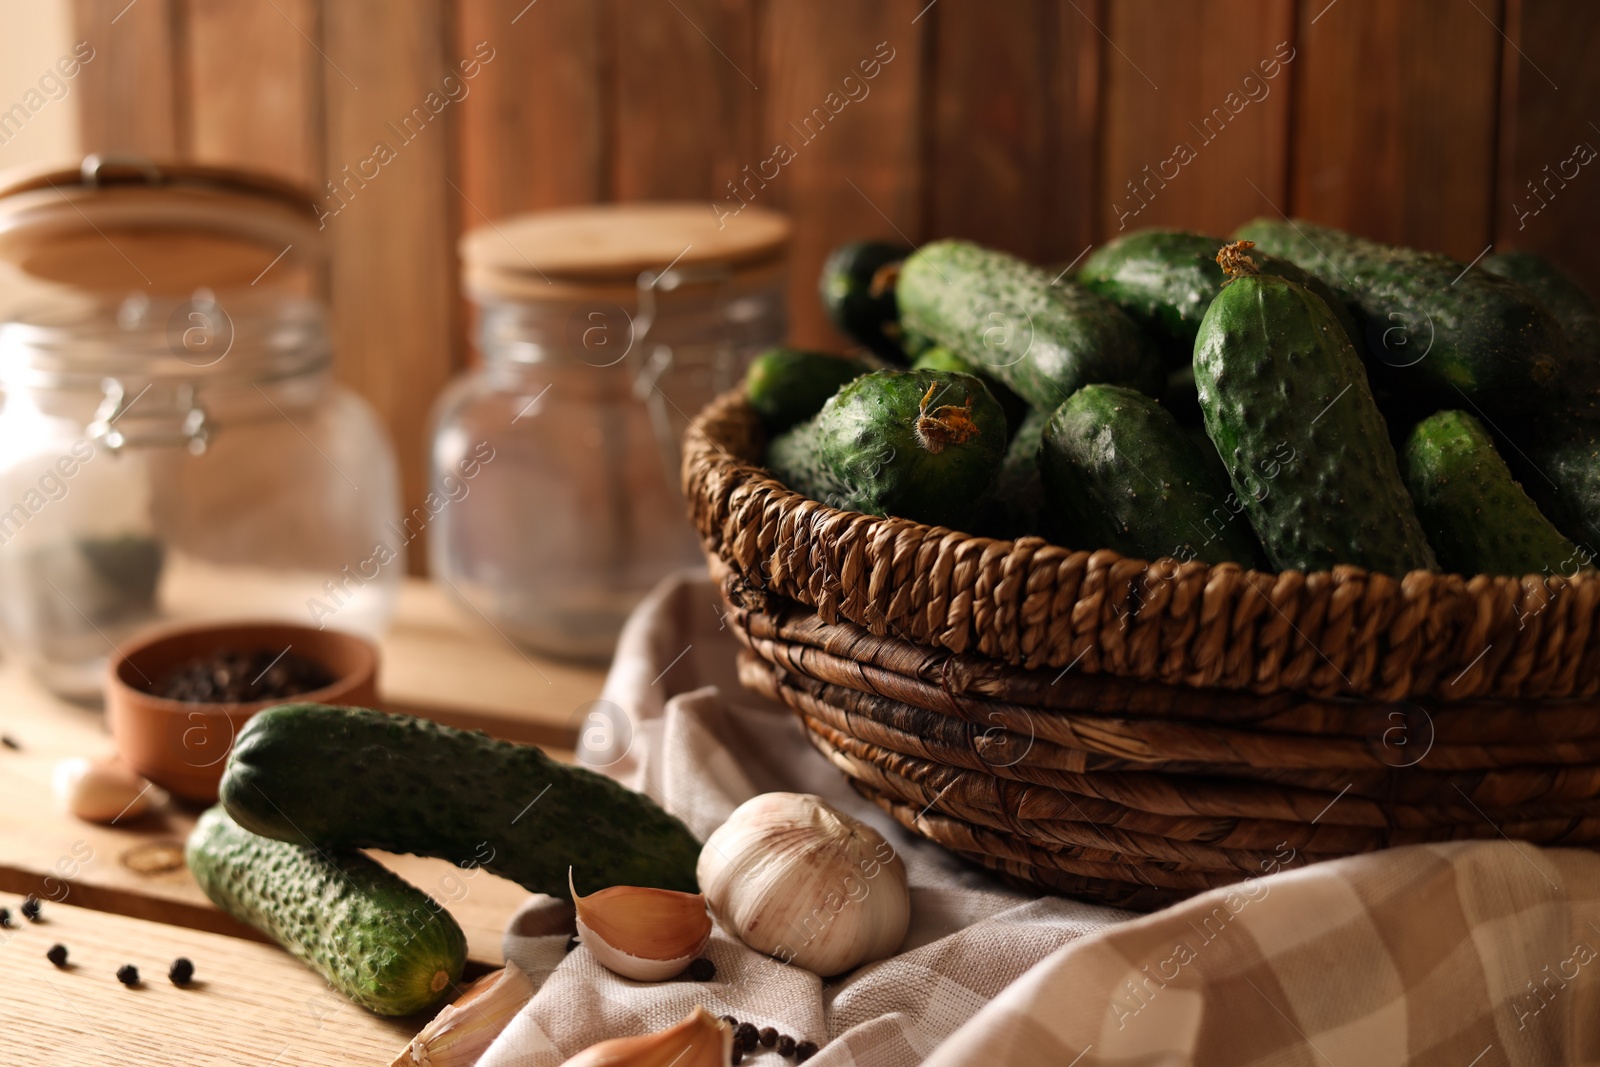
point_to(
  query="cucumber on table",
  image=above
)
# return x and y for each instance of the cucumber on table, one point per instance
(1436, 330)
(1015, 408)
(1287, 404)
(920, 444)
(357, 778)
(376, 938)
(789, 385)
(1004, 316)
(1477, 517)
(857, 291)
(1165, 279)
(1119, 472)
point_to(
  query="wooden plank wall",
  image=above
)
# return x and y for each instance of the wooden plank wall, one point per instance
(1039, 126)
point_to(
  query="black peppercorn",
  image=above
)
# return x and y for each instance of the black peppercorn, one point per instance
(785, 1045)
(769, 1036)
(804, 1051)
(5, 917)
(30, 908)
(128, 975)
(738, 1055)
(182, 971)
(745, 1035)
(10, 742)
(57, 955)
(702, 970)
(730, 1020)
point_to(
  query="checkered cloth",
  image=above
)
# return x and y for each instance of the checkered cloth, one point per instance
(1462, 955)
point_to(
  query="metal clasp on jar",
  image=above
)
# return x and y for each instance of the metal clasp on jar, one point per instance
(175, 420)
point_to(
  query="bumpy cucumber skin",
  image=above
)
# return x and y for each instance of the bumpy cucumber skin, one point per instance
(789, 385)
(861, 451)
(1119, 472)
(1485, 338)
(1015, 506)
(1000, 314)
(1287, 404)
(353, 777)
(1165, 280)
(376, 938)
(846, 290)
(1478, 519)
(1015, 408)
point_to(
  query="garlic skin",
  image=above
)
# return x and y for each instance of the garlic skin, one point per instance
(645, 934)
(796, 879)
(103, 790)
(701, 1040)
(467, 1026)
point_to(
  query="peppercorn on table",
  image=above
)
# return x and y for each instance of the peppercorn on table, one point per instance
(120, 895)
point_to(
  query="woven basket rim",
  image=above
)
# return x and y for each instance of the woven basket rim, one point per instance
(1029, 602)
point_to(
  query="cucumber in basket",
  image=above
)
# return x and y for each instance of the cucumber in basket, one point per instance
(352, 777)
(1287, 404)
(1435, 329)
(1165, 280)
(376, 938)
(921, 445)
(1478, 518)
(1014, 406)
(1004, 316)
(1119, 472)
(789, 385)
(857, 292)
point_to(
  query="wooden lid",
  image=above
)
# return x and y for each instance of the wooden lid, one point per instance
(607, 245)
(166, 228)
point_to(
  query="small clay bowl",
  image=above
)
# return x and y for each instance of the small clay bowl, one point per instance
(182, 746)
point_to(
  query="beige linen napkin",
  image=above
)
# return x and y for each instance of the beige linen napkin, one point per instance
(1426, 955)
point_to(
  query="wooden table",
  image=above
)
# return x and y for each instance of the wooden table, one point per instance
(121, 894)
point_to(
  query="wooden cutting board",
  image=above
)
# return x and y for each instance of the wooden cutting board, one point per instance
(249, 1004)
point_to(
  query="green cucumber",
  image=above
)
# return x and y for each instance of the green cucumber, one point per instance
(1579, 317)
(1287, 404)
(789, 385)
(1477, 517)
(1000, 314)
(1437, 331)
(1014, 406)
(1165, 280)
(1119, 472)
(857, 293)
(922, 445)
(353, 777)
(1015, 506)
(376, 938)
(1560, 469)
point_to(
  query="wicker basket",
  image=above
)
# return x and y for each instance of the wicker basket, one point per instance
(1136, 732)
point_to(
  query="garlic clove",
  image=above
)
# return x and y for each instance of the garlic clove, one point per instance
(701, 1040)
(103, 790)
(645, 934)
(468, 1025)
(791, 877)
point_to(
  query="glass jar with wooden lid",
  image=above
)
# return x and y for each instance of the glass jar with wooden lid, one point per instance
(602, 330)
(172, 444)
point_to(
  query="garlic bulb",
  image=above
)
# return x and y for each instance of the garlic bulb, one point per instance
(645, 934)
(800, 881)
(103, 790)
(467, 1026)
(701, 1040)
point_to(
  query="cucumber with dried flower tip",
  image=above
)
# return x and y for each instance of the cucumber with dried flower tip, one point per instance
(1005, 317)
(1119, 472)
(919, 444)
(1477, 517)
(353, 777)
(789, 385)
(937, 358)
(376, 938)
(1436, 331)
(1287, 404)
(1165, 280)
(857, 290)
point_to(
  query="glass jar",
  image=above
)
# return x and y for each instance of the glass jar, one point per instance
(178, 454)
(559, 454)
